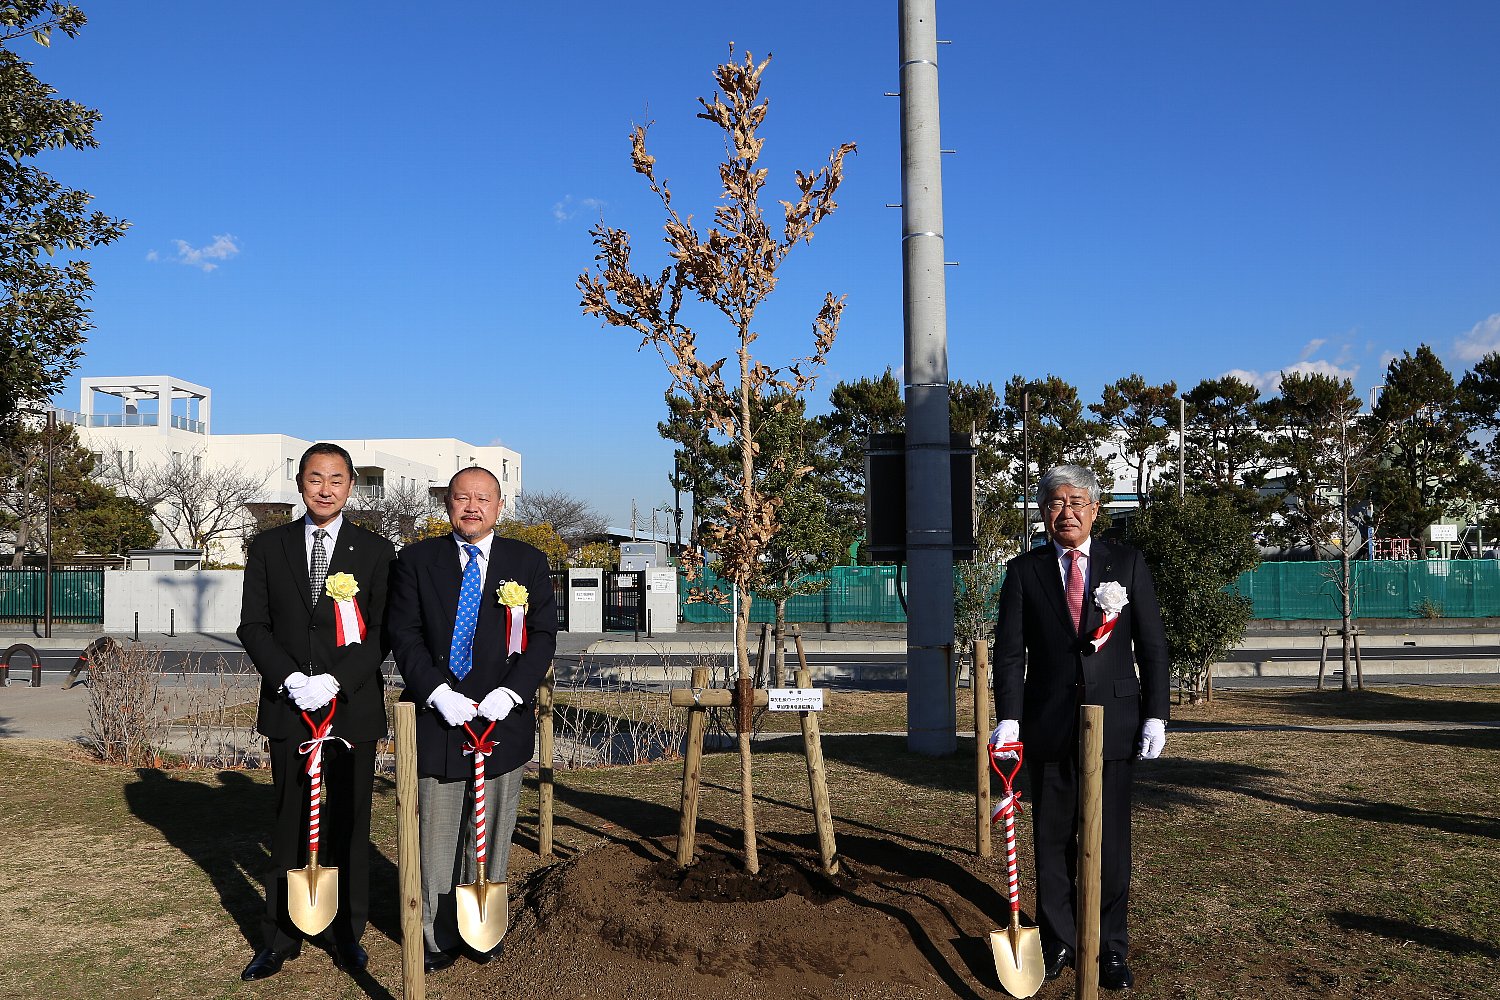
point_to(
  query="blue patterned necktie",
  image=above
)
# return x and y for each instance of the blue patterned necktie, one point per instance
(461, 653)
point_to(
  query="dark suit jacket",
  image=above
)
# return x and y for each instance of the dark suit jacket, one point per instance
(284, 632)
(1039, 661)
(424, 602)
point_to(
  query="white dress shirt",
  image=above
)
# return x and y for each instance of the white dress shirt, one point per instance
(332, 527)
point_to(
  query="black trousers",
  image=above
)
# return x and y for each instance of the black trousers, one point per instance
(1054, 834)
(343, 837)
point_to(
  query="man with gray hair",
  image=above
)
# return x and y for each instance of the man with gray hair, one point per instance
(1079, 624)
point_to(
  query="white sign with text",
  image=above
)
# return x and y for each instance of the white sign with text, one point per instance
(796, 699)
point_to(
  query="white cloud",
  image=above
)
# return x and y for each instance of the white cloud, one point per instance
(205, 258)
(568, 208)
(1482, 340)
(1313, 346)
(1269, 383)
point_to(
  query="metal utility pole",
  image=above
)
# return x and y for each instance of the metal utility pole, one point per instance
(1181, 447)
(930, 670)
(1026, 472)
(51, 440)
(677, 498)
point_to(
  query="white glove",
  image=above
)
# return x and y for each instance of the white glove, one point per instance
(456, 709)
(319, 690)
(498, 703)
(1009, 731)
(1153, 739)
(293, 681)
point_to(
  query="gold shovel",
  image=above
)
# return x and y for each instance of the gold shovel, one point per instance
(483, 906)
(1019, 964)
(312, 893)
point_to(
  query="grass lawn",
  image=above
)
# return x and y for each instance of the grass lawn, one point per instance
(1269, 862)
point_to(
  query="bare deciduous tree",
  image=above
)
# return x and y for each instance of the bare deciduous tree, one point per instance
(574, 519)
(396, 512)
(731, 270)
(194, 503)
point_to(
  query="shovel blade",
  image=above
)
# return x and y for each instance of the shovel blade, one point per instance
(312, 897)
(1019, 963)
(483, 913)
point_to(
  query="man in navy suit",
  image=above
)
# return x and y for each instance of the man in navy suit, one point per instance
(1047, 662)
(463, 665)
(310, 658)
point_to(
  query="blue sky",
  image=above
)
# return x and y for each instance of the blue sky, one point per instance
(366, 219)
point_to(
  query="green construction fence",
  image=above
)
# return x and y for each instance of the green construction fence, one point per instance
(1427, 588)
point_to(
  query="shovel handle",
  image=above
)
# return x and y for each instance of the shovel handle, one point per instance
(315, 781)
(481, 747)
(1008, 810)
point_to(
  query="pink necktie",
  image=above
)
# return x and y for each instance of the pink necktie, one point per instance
(1075, 589)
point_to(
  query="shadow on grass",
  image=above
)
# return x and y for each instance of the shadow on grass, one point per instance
(221, 829)
(225, 831)
(1401, 930)
(1360, 706)
(1168, 784)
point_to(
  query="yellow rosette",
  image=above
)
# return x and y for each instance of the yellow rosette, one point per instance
(342, 587)
(513, 594)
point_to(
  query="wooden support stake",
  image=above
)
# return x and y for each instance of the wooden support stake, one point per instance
(1323, 660)
(715, 698)
(817, 782)
(763, 657)
(744, 690)
(1090, 840)
(801, 653)
(409, 864)
(546, 758)
(692, 770)
(980, 682)
(1359, 666)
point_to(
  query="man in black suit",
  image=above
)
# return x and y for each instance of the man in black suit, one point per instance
(1049, 660)
(309, 651)
(462, 664)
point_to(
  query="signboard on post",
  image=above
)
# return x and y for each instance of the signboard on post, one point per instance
(796, 699)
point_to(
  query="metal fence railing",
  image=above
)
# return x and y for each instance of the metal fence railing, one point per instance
(77, 595)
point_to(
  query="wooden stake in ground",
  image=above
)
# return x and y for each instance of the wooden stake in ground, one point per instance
(1090, 840)
(817, 782)
(744, 690)
(546, 756)
(408, 862)
(692, 770)
(979, 681)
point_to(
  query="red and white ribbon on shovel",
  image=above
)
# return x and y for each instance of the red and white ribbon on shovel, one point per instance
(348, 622)
(1010, 804)
(313, 751)
(481, 747)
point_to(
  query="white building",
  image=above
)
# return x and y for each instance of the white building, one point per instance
(156, 419)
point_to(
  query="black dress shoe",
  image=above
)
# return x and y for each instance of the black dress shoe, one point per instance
(486, 957)
(350, 956)
(267, 962)
(1114, 974)
(1057, 959)
(437, 961)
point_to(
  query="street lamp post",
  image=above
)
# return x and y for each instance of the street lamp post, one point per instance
(51, 439)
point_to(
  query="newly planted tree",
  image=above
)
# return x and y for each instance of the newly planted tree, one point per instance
(731, 269)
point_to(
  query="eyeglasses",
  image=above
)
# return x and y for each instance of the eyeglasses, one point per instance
(1075, 505)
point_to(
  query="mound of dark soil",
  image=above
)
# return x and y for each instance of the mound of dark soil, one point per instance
(621, 920)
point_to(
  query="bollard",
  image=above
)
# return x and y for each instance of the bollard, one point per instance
(137, 636)
(648, 623)
(172, 623)
(36, 664)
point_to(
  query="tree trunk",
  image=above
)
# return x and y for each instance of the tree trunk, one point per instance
(777, 635)
(23, 535)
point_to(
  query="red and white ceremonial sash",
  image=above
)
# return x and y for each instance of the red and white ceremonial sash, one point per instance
(515, 630)
(1104, 631)
(348, 623)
